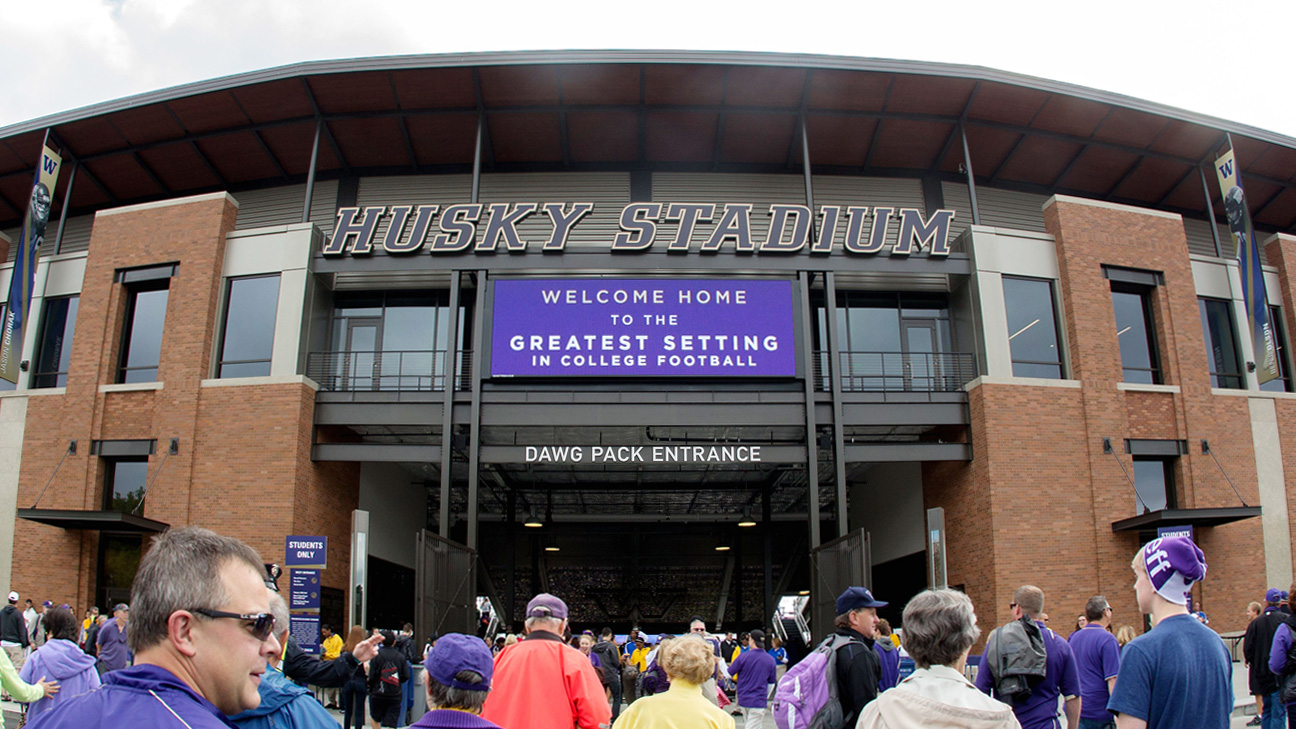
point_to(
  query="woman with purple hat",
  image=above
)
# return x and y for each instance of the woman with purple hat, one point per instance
(459, 670)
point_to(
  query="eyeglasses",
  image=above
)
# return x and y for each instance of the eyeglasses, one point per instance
(1012, 605)
(262, 623)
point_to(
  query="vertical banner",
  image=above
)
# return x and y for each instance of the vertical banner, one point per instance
(1248, 256)
(27, 254)
(306, 556)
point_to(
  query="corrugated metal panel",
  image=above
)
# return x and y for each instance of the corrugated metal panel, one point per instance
(283, 205)
(759, 190)
(609, 191)
(76, 235)
(440, 190)
(1010, 209)
(959, 200)
(873, 192)
(1200, 241)
(765, 190)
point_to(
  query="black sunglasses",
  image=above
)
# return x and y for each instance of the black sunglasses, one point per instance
(262, 623)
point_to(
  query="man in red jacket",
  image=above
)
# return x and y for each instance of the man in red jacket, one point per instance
(541, 682)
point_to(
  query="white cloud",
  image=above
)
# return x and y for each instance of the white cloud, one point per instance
(1193, 55)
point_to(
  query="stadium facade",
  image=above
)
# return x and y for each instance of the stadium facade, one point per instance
(918, 322)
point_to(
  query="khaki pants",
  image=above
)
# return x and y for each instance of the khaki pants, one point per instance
(16, 654)
(753, 718)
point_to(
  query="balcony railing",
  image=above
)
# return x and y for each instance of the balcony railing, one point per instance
(897, 371)
(404, 371)
(424, 370)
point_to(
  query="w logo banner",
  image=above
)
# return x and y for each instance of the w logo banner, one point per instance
(27, 254)
(1248, 257)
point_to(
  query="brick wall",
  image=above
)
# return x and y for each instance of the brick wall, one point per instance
(1037, 503)
(243, 464)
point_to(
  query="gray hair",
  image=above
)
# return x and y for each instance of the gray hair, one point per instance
(442, 696)
(1095, 608)
(279, 609)
(182, 571)
(939, 627)
(552, 625)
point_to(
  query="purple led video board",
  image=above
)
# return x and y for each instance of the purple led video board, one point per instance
(642, 328)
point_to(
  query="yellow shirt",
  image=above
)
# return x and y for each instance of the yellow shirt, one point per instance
(640, 658)
(332, 647)
(682, 705)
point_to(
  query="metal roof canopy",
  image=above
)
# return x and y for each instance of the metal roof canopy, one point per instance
(1195, 517)
(649, 110)
(98, 521)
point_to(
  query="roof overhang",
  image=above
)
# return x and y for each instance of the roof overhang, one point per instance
(646, 110)
(1182, 517)
(97, 521)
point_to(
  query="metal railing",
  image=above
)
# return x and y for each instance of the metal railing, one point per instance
(401, 371)
(896, 371)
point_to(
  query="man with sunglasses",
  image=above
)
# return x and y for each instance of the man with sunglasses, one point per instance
(201, 631)
(1097, 657)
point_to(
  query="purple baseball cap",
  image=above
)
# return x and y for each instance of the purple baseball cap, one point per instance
(1173, 564)
(455, 652)
(545, 605)
(1273, 595)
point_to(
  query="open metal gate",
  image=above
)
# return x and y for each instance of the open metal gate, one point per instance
(844, 562)
(445, 587)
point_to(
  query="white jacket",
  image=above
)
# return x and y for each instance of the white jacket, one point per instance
(936, 698)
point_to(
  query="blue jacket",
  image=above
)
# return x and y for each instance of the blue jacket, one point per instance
(63, 661)
(143, 696)
(284, 705)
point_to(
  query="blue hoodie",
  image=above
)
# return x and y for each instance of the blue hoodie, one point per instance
(63, 661)
(139, 696)
(284, 705)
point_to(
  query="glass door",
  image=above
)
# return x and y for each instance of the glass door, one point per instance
(360, 367)
(920, 362)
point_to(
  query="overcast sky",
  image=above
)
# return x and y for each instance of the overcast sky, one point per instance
(1228, 59)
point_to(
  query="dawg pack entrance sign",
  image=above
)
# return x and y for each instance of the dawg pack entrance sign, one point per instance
(642, 327)
(687, 227)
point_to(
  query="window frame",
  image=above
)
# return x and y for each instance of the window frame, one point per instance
(1279, 324)
(224, 324)
(133, 289)
(1169, 482)
(41, 344)
(1219, 378)
(1144, 292)
(1057, 329)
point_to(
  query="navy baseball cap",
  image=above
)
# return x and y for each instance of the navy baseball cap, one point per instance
(856, 598)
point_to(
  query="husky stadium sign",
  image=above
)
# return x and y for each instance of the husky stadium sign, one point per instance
(688, 227)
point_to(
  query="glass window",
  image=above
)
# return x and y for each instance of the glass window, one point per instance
(391, 341)
(1284, 381)
(124, 482)
(248, 340)
(119, 558)
(54, 345)
(1153, 484)
(4, 315)
(1222, 358)
(145, 318)
(1134, 331)
(1032, 327)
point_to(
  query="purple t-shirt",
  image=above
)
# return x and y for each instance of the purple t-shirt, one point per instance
(1040, 711)
(1097, 657)
(756, 671)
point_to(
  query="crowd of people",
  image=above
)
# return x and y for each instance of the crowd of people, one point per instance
(205, 643)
